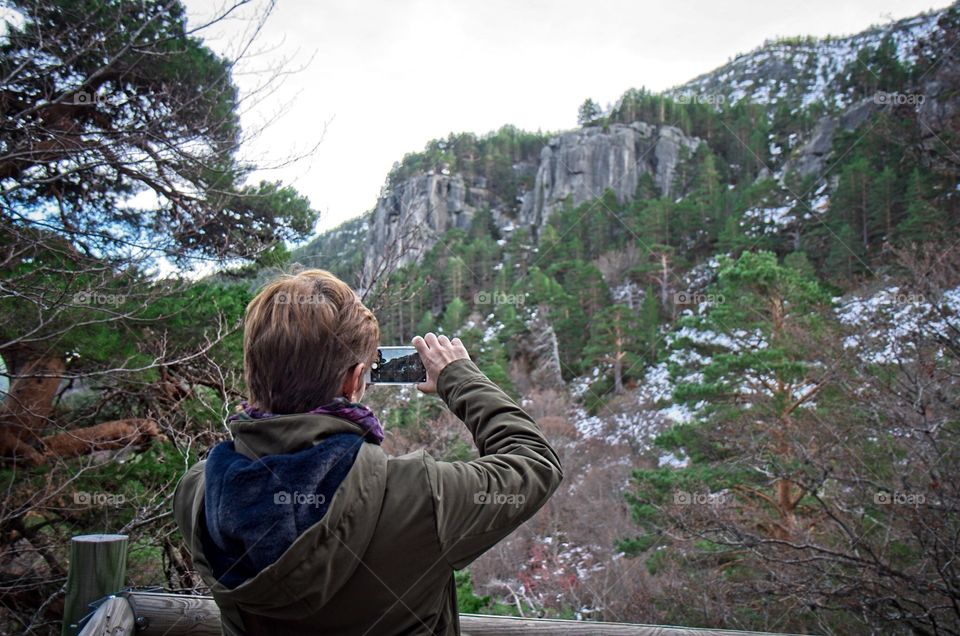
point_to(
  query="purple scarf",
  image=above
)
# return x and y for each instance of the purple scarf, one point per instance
(339, 407)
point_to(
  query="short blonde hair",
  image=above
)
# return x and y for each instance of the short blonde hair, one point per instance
(302, 333)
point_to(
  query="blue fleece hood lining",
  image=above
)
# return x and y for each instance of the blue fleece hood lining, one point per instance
(255, 509)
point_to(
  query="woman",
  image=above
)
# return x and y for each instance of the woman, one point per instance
(303, 525)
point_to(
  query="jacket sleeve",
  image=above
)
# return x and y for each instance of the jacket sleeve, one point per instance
(480, 502)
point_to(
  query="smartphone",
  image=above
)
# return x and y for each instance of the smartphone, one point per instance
(396, 365)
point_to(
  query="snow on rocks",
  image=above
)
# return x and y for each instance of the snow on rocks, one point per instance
(890, 321)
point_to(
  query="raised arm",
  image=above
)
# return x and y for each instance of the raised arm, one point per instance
(480, 502)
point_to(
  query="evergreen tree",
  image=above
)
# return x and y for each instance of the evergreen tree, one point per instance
(588, 113)
(490, 356)
(731, 238)
(615, 342)
(924, 219)
(426, 324)
(453, 316)
(754, 388)
(846, 256)
(456, 275)
(649, 323)
(853, 199)
(884, 202)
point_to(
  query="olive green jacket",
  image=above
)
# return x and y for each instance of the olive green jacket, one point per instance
(381, 560)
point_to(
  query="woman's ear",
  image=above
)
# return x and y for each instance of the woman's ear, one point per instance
(353, 384)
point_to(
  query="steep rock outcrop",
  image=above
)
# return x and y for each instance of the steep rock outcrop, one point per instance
(936, 100)
(535, 358)
(812, 156)
(579, 165)
(408, 220)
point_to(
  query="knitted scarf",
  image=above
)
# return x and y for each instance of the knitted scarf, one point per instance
(339, 407)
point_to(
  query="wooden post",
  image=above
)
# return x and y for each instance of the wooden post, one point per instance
(98, 567)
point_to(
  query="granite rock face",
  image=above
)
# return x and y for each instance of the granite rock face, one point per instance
(535, 360)
(408, 220)
(578, 166)
(812, 156)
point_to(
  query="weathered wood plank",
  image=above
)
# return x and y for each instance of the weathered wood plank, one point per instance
(478, 625)
(176, 615)
(98, 567)
(114, 617)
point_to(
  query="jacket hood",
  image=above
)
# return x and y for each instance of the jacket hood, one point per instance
(281, 516)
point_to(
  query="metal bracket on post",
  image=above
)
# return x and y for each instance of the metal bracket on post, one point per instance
(140, 621)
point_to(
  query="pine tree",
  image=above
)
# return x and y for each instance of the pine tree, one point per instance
(846, 257)
(884, 201)
(453, 316)
(616, 341)
(731, 238)
(655, 221)
(924, 220)
(426, 324)
(853, 198)
(456, 277)
(588, 113)
(649, 323)
(753, 390)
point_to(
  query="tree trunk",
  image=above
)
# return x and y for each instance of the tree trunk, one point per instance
(25, 416)
(25, 412)
(618, 375)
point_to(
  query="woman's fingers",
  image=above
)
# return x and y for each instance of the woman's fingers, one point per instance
(420, 345)
(436, 353)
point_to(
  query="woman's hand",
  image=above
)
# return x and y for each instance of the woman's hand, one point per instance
(436, 353)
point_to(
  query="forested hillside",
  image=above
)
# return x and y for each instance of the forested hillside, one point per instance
(767, 354)
(733, 306)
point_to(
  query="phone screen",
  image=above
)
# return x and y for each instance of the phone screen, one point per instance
(397, 365)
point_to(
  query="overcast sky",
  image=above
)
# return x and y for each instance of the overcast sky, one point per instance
(386, 76)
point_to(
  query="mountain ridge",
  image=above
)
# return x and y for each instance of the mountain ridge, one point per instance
(420, 211)
(833, 55)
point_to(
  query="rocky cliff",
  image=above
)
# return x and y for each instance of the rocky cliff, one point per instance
(409, 219)
(576, 166)
(579, 165)
(811, 158)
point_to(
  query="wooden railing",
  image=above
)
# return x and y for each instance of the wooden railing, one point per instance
(98, 565)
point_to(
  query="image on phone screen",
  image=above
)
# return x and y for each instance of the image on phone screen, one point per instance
(397, 365)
